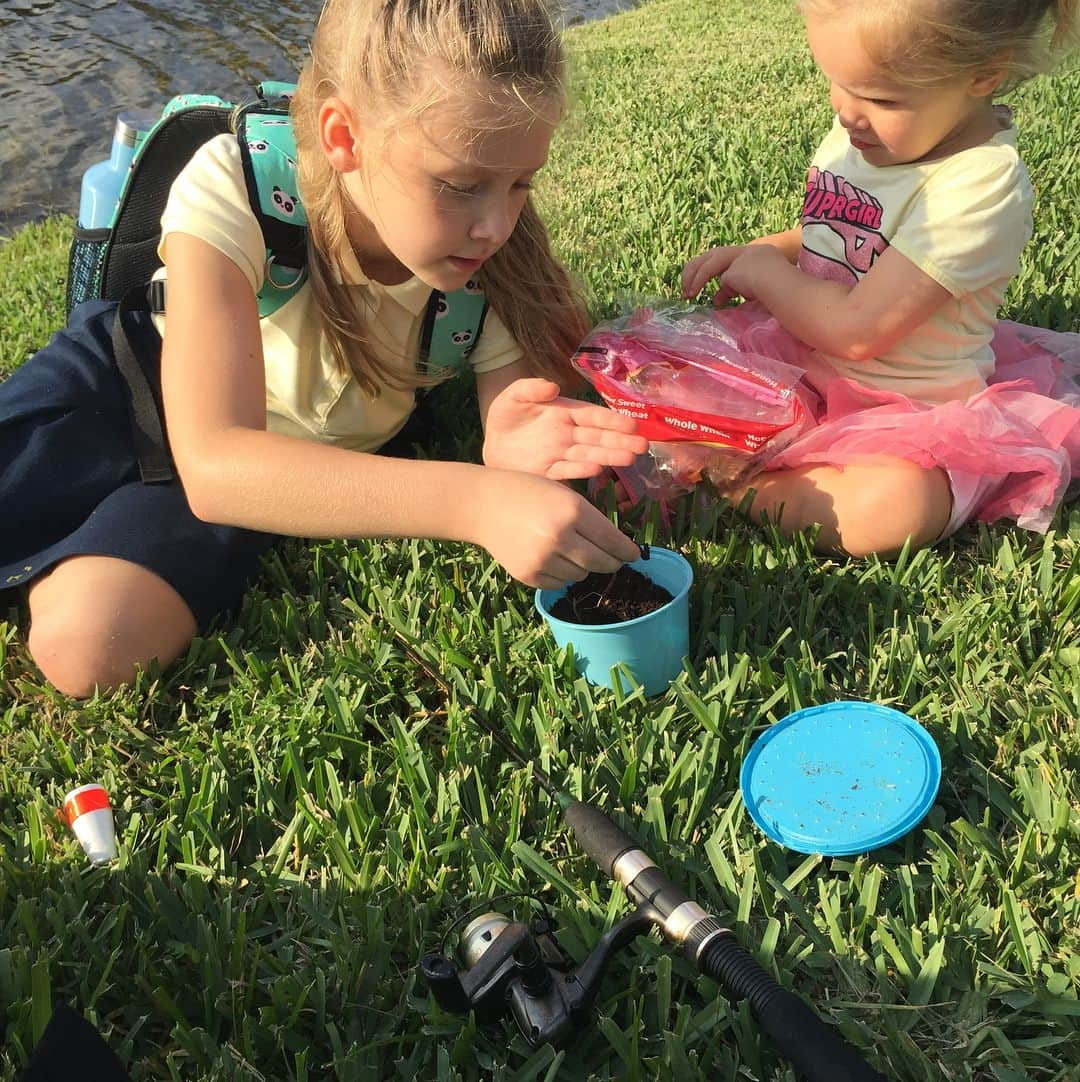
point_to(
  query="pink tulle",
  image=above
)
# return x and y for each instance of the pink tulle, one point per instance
(1022, 432)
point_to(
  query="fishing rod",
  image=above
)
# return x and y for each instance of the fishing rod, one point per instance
(515, 968)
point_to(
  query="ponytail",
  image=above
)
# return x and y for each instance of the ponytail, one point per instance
(1066, 18)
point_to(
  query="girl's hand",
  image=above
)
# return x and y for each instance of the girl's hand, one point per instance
(752, 265)
(544, 533)
(703, 268)
(720, 262)
(531, 428)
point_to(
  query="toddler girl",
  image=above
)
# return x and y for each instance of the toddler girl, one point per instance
(917, 207)
(420, 127)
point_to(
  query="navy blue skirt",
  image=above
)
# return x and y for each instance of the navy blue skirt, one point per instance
(69, 479)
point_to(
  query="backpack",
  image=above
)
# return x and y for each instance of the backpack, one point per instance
(117, 263)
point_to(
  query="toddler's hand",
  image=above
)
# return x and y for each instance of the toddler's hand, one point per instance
(703, 268)
(544, 533)
(749, 268)
(530, 427)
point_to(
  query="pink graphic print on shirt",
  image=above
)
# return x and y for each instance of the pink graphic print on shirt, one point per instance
(853, 214)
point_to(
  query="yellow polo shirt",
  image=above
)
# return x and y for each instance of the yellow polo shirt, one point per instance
(307, 395)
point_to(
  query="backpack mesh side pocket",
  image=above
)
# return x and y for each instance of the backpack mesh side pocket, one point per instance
(84, 265)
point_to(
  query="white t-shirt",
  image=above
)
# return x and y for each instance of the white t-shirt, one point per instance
(307, 395)
(962, 219)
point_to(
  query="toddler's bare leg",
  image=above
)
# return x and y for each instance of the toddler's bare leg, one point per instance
(94, 619)
(863, 509)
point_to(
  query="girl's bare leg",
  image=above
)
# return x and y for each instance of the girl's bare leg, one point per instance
(863, 509)
(94, 620)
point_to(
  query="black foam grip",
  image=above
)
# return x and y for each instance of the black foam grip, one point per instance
(598, 835)
(813, 1048)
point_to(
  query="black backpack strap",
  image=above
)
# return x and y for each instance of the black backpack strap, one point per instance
(435, 302)
(268, 153)
(480, 326)
(454, 344)
(144, 396)
(131, 253)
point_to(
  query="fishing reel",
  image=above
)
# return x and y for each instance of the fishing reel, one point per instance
(519, 969)
(514, 968)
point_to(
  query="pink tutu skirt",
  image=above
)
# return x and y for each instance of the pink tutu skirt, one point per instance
(1019, 439)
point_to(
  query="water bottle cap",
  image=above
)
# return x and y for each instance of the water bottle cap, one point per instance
(133, 124)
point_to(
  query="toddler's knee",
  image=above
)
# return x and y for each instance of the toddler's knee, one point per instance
(74, 659)
(907, 503)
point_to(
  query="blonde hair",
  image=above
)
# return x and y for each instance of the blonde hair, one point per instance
(930, 42)
(379, 55)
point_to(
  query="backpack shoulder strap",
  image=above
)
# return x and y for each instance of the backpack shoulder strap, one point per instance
(268, 151)
(452, 322)
(131, 252)
(452, 326)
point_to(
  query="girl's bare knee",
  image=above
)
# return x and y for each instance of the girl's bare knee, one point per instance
(94, 622)
(904, 504)
(74, 659)
(860, 510)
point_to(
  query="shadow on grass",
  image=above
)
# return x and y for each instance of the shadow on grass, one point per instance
(185, 975)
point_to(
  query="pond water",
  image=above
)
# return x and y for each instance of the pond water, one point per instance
(67, 67)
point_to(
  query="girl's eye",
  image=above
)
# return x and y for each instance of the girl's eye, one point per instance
(456, 189)
(883, 103)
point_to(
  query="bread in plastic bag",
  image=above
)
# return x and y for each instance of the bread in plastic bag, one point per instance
(709, 410)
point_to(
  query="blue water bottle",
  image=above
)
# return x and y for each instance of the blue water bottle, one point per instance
(103, 181)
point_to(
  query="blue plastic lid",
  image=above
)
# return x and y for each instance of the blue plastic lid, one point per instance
(840, 779)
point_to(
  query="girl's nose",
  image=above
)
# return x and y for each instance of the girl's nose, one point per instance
(494, 223)
(847, 109)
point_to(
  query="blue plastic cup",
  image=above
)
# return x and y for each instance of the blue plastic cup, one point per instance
(652, 647)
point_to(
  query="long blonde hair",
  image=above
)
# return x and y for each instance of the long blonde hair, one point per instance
(929, 42)
(376, 55)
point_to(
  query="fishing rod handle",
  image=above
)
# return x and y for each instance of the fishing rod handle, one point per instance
(814, 1048)
(601, 839)
(818, 1052)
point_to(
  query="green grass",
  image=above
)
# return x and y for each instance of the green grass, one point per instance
(301, 814)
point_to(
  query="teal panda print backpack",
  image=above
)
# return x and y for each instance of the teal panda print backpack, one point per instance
(118, 262)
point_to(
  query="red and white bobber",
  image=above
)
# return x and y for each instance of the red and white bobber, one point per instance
(88, 813)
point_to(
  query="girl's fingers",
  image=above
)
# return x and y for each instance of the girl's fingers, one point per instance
(610, 454)
(711, 264)
(585, 415)
(690, 274)
(534, 389)
(579, 471)
(695, 282)
(585, 438)
(602, 546)
(579, 462)
(548, 582)
(559, 569)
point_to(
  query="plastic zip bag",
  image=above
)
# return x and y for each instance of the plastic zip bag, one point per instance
(709, 410)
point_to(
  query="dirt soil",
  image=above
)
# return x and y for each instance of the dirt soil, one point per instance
(602, 598)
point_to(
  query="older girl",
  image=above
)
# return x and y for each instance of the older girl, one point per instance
(420, 128)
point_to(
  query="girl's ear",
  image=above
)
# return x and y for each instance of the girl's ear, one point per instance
(983, 85)
(339, 135)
